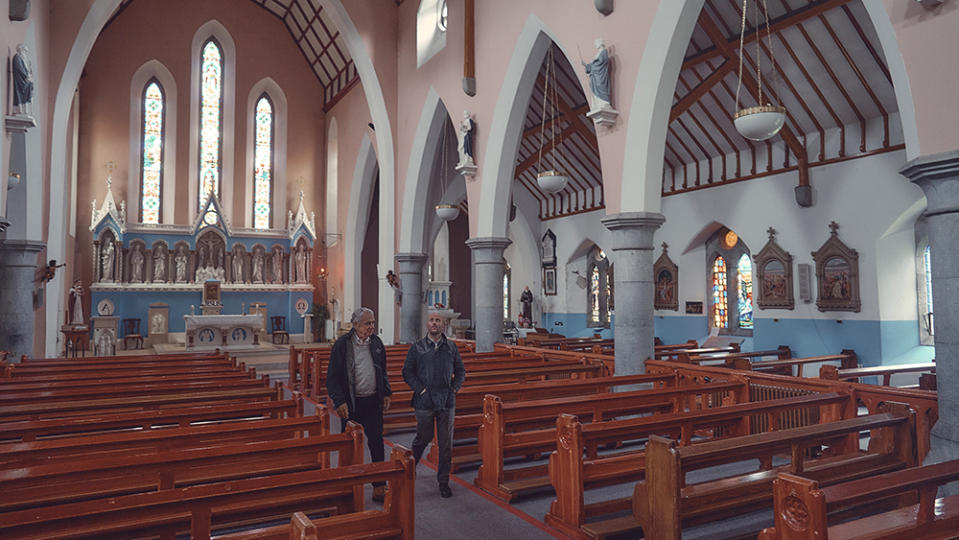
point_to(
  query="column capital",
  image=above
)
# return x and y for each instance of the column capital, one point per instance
(411, 258)
(633, 230)
(938, 176)
(488, 249)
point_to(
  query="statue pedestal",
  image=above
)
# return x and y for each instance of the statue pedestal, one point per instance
(468, 170)
(19, 123)
(603, 117)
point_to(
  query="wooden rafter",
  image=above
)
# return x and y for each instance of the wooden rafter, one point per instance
(700, 90)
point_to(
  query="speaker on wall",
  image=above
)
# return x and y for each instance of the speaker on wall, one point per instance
(805, 283)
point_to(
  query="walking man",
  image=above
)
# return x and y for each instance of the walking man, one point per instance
(357, 383)
(434, 370)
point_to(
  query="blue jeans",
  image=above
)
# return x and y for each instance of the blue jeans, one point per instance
(443, 420)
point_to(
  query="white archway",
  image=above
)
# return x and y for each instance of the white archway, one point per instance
(361, 199)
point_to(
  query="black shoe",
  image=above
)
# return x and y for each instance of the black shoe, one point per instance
(445, 491)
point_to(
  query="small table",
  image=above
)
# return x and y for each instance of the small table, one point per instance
(77, 337)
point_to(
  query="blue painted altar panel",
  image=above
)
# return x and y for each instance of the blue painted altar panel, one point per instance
(136, 305)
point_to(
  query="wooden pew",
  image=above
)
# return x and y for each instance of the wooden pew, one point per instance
(927, 381)
(396, 520)
(929, 518)
(201, 510)
(469, 400)
(40, 383)
(847, 359)
(66, 371)
(28, 454)
(780, 353)
(88, 360)
(886, 372)
(664, 502)
(529, 427)
(91, 374)
(97, 477)
(571, 474)
(673, 354)
(32, 430)
(87, 407)
(140, 388)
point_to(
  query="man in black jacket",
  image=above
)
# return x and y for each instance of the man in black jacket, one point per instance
(434, 370)
(357, 383)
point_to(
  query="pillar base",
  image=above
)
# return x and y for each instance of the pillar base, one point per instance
(18, 274)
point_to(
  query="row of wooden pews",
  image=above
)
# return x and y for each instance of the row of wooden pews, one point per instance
(169, 445)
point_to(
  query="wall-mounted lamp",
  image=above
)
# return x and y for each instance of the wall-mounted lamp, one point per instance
(13, 180)
(321, 273)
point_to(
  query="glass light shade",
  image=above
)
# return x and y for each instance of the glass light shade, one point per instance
(552, 181)
(447, 212)
(760, 123)
(13, 180)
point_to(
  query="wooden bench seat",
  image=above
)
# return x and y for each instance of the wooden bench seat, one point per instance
(32, 370)
(529, 427)
(847, 360)
(28, 454)
(88, 478)
(32, 430)
(673, 354)
(664, 502)
(930, 518)
(124, 358)
(886, 372)
(26, 383)
(200, 510)
(143, 389)
(86, 407)
(93, 375)
(571, 474)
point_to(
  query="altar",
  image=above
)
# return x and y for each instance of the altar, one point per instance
(227, 332)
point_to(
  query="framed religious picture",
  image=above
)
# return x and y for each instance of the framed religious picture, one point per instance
(666, 276)
(774, 276)
(549, 250)
(549, 281)
(837, 275)
(694, 308)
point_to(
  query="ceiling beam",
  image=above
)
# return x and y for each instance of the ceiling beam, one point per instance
(700, 90)
(776, 25)
(726, 50)
(522, 166)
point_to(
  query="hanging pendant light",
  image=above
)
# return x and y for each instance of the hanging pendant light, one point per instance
(764, 120)
(551, 180)
(446, 212)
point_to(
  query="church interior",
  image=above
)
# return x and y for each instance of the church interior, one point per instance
(688, 251)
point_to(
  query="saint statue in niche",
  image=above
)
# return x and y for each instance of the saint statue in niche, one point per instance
(258, 266)
(201, 256)
(106, 261)
(180, 261)
(136, 265)
(277, 263)
(237, 266)
(22, 76)
(301, 265)
(466, 139)
(526, 318)
(159, 265)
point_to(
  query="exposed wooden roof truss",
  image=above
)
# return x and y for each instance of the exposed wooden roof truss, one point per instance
(829, 73)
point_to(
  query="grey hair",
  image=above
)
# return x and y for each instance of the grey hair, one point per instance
(358, 314)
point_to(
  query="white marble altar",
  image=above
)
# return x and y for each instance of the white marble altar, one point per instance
(227, 332)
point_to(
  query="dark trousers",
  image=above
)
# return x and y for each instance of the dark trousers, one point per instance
(369, 414)
(443, 420)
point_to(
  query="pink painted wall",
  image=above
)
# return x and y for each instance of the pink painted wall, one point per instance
(929, 42)
(264, 48)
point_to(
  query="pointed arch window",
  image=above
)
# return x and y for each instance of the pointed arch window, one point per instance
(263, 163)
(211, 120)
(506, 290)
(720, 316)
(744, 290)
(927, 274)
(599, 289)
(151, 152)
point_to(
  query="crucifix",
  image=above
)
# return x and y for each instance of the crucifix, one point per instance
(835, 228)
(771, 232)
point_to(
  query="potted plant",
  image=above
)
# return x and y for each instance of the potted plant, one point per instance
(320, 315)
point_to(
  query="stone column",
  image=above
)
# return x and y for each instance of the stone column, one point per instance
(488, 267)
(411, 304)
(633, 256)
(938, 176)
(18, 272)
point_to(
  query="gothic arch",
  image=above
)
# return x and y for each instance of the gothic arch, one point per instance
(153, 69)
(280, 113)
(361, 197)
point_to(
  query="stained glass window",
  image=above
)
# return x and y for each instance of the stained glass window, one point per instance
(744, 278)
(927, 266)
(211, 120)
(720, 316)
(263, 165)
(594, 295)
(151, 156)
(506, 293)
(609, 294)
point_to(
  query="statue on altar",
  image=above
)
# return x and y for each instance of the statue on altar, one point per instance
(300, 256)
(237, 266)
(277, 262)
(136, 265)
(106, 261)
(75, 304)
(159, 265)
(180, 261)
(258, 266)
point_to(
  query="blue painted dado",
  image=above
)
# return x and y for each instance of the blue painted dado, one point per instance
(679, 329)
(574, 325)
(135, 305)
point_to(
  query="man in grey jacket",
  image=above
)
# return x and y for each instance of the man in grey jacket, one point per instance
(434, 370)
(358, 386)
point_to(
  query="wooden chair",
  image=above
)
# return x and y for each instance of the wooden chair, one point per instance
(278, 325)
(131, 330)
